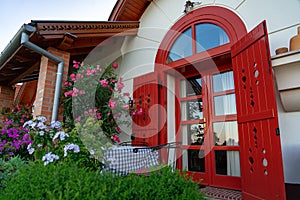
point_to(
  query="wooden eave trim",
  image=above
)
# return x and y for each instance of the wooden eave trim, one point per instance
(98, 35)
(119, 6)
(54, 30)
(122, 7)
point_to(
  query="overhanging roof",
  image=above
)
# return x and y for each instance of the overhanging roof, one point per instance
(20, 64)
(125, 10)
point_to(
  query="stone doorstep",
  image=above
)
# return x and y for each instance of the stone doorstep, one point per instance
(213, 193)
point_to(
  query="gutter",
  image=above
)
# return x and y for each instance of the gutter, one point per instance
(14, 44)
(22, 39)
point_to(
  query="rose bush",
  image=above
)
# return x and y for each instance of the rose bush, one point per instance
(95, 92)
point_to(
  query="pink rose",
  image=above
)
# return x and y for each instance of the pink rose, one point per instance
(115, 65)
(104, 83)
(112, 104)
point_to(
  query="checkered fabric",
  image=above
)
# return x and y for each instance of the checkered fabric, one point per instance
(127, 159)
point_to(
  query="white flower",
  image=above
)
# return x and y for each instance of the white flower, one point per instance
(41, 118)
(55, 124)
(92, 152)
(33, 124)
(30, 149)
(28, 123)
(41, 125)
(39, 145)
(42, 133)
(49, 157)
(73, 147)
(61, 135)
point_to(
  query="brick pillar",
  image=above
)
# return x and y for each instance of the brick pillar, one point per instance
(46, 84)
(7, 95)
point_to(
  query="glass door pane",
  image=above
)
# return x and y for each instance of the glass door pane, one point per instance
(193, 160)
(191, 109)
(192, 134)
(227, 163)
(226, 133)
(191, 87)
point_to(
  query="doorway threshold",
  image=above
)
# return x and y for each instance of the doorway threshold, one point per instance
(213, 193)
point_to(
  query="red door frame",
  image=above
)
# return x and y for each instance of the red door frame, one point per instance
(212, 179)
(229, 22)
(235, 30)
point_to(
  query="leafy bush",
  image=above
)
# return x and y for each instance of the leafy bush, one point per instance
(51, 144)
(94, 91)
(72, 182)
(10, 167)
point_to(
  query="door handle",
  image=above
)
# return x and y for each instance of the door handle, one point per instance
(204, 124)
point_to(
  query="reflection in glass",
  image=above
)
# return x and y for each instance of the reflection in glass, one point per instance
(223, 81)
(227, 163)
(225, 105)
(182, 47)
(209, 36)
(191, 110)
(192, 134)
(196, 160)
(191, 87)
(226, 133)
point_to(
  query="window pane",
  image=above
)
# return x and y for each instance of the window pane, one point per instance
(191, 87)
(193, 160)
(227, 163)
(182, 47)
(225, 105)
(223, 81)
(192, 134)
(226, 133)
(209, 36)
(191, 110)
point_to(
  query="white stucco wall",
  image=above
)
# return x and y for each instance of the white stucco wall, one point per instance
(282, 17)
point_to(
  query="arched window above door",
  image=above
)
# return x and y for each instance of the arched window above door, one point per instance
(182, 47)
(209, 36)
(221, 24)
(202, 36)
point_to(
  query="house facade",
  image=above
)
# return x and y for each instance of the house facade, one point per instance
(205, 74)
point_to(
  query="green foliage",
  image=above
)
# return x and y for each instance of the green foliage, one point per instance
(93, 91)
(9, 168)
(52, 144)
(92, 136)
(72, 182)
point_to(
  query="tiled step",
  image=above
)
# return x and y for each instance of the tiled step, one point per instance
(213, 193)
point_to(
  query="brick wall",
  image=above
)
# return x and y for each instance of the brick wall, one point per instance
(6, 97)
(46, 84)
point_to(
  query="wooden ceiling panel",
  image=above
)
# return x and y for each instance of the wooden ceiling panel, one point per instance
(122, 7)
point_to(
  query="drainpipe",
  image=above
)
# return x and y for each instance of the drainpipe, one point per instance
(60, 64)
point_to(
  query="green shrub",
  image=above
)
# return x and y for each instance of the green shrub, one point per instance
(8, 168)
(72, 182)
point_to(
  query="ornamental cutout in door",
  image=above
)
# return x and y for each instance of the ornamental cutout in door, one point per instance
(145, 125)
(261, 159)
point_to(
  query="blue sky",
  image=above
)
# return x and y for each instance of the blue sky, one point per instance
(14, 13)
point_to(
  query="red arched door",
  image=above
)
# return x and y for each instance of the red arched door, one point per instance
(226, 116)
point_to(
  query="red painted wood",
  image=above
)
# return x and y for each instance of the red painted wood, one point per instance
(145, 126)
(225, 18)
(261, 159)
